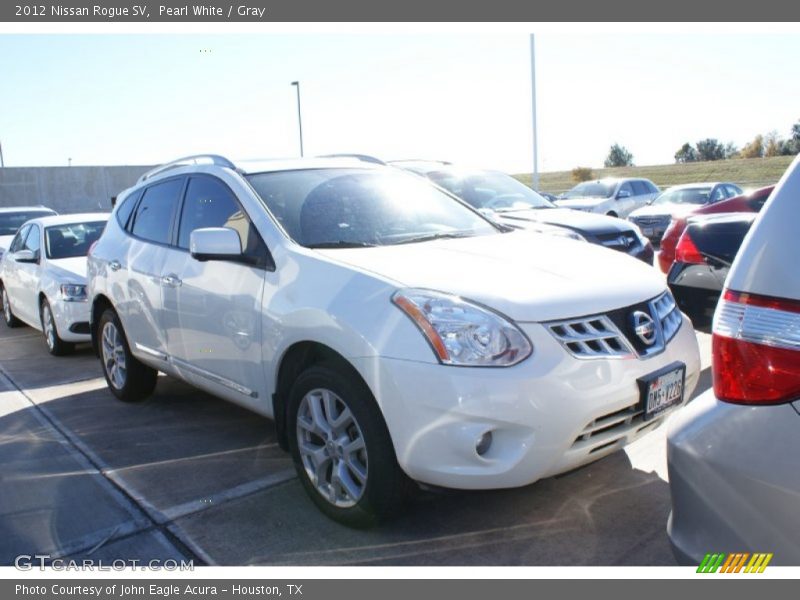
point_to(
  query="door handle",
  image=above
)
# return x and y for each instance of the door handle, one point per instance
(115, 265)
(171, 280)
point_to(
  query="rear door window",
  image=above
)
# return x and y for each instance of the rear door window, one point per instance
(19, 239)
(153, 218)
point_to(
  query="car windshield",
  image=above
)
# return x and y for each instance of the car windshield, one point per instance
(497, 191)
(10, 222)
(592, 189)
(69, 241)
(695, 195)
(347, 207)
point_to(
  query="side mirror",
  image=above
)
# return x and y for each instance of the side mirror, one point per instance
(623, 194)
(26, 256)
(215, 243)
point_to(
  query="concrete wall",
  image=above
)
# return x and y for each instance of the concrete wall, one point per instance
(66, 189)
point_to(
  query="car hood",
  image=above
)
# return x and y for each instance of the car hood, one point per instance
(68, 270)
(660, 210)
(526, 276)
(565, 217)
(581, 202)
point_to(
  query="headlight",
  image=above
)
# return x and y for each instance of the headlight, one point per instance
(462, 333)
(71, 292)
(564, 232)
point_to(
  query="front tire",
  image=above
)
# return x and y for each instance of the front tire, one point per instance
(8, 316)
(55, 345)
(342, 449)
(128, 379)
(612, 214)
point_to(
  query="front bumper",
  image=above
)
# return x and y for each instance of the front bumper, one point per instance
(72, 320)
(549, 414)
(734, 480)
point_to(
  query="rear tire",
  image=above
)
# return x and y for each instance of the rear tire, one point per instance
(612, 214)
(342, 449)
(55, 345)
(128, 379)
(8, 316)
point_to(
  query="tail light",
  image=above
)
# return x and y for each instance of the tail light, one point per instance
(674, 229)
(756, 349)
(686, 251)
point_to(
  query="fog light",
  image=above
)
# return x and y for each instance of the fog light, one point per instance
(484, 443)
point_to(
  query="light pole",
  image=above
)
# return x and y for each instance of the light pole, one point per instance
(2, 163)
(535, 175)
(296, 84)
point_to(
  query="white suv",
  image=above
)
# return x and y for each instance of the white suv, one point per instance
(391, 331)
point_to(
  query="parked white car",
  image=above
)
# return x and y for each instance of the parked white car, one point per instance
(615, 197)
(391, 331)
(12, 217)
(43, 277)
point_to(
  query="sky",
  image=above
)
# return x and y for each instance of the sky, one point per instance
(462, 97)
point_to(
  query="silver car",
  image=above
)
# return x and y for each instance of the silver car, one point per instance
(734, 453)
(613, 196)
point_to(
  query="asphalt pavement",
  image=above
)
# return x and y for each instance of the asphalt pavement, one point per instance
(186, 476)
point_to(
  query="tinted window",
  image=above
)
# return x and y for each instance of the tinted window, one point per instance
(126, 208)
(75, 239)
(626, 187)
(496, 191)
(640, 188)
(154, 213)
(592, 189)
(209, 203)
(718, 194)
(733, 190)
(16, 243)
(693, 195)
(32, 241)
(11, 221)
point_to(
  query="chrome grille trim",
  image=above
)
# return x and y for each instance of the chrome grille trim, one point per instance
(597, 336)
(591, 337)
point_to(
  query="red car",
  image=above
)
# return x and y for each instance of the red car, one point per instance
(745, 203)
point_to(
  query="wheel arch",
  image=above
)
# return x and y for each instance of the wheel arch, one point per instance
(99, 305)
(297, 358)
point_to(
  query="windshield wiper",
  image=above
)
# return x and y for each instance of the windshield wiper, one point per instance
(436, 236)
(341, 244)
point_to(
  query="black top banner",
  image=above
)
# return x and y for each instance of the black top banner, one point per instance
(256, 11)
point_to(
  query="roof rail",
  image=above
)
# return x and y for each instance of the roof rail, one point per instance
(197, 159)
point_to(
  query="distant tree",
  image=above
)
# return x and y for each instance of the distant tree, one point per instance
(582, 174)
(792, 145)
(789, 148)
(710, 149)
(731, 151)
(686, 154)
(796, 132)
(754, 149)
(618, 156)
(772, 144)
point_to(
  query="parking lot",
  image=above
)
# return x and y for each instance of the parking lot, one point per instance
(186, 476)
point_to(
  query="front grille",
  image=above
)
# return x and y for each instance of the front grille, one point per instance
(606, 431)
(591, 337)
(654, 221)
(668, 315)
(613, 335)
(624, 241)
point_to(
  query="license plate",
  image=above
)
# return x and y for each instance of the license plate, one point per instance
(662, 390)
(647, 231)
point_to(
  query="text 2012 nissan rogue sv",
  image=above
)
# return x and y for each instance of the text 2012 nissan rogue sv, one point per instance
(391, 331)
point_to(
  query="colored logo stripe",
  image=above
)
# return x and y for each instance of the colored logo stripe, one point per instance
(735, 562)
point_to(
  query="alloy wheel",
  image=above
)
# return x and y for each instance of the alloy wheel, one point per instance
(114, 356)
(49, 327)
(332, 447)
